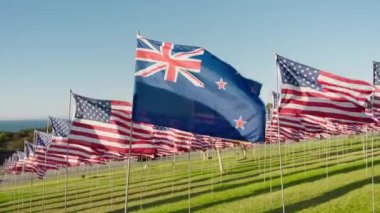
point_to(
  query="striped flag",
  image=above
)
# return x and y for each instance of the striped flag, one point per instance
(376, 83)
(61, 148)
(178, 140)
(16, 165)
(275, 99)
(106, 125)
(41, 158)
(29, 162)
(164, 141)
(306, 90)
(290, 128)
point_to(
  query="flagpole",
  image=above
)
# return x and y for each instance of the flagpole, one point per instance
(128, 163)
(373, 175)
(279, 146)
(189, 181)
(173, 174)
(270, 115)
(365, 152)
(270, 174)
(143, 179)
(31, 178)
(67, 154)
(327, 163)
(128, 170)
(221, 167)
(264, 163)
(21, 177)
(110, 172)
(372, 144)
(46, 149)
(212, 169)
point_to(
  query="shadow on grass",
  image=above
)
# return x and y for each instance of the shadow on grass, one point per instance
(248, 177)
(325, 197)
(232, 186)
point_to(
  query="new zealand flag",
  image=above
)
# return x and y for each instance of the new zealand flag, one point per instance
(190, 89)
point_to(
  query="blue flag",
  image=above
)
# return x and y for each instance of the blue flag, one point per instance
(190, 89)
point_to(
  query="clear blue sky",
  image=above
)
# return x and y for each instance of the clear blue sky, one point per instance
(48, 47)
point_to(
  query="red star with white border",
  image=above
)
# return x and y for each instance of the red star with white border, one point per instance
(221, 84)
(239, 123)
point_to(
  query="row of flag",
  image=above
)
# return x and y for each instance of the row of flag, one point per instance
(316, 104)
(186, 99)
(102, 131)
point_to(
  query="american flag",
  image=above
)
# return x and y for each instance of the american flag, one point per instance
(221, 143)
(275, 99)
(306, 90)
(16, 163)
(164, 141)
(106, 125)
(376, 83)
(29, 162)
(177, 139)
(290, 128)
(29, 152)
(204, 141)
(296, 126)
(41, 158)
(61, 148)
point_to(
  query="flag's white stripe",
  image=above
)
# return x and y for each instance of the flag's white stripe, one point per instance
(115, 127)
(324, 109)
(111, 135)
(110, 144)
(352, 85)
(326, 95)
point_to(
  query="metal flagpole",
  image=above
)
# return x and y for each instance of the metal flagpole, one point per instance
(173, 173)
(327, 163)
(143, 179)
(31, 192)
(16, 180)
(293, 153)
(67, 155)
(31, 179)
(22, 177)
(373, 176)
(221, 167)
(128, 164)
(189, 181)
(372, 165)
(17, 193)
(58, 173)
(259, 159)
(92, 183)
(43, 190)
(270, 174)
(304, 143)
(270, 116)
(110, 179)
(366, 152)
(264, 162)
(212, 174)
(128, 170)
(279, 147)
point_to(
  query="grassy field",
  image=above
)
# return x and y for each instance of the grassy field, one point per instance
(319, 176)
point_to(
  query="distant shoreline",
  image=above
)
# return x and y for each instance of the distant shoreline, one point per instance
(16, 125)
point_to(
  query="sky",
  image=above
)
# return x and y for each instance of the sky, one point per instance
(49, 47)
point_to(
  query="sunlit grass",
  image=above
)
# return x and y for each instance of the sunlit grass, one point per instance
(319, 176)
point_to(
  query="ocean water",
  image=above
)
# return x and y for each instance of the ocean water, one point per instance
(15, 125)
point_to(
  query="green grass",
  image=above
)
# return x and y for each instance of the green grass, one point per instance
(249, 185)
